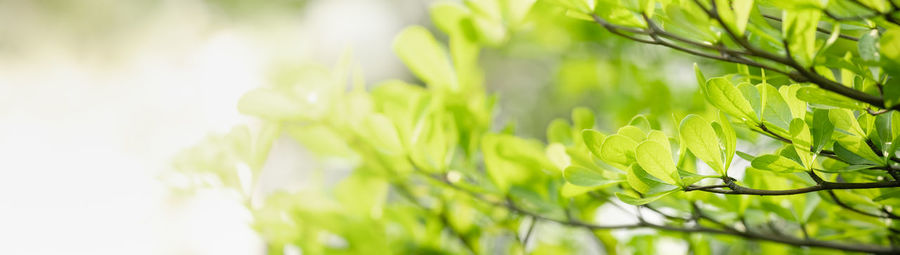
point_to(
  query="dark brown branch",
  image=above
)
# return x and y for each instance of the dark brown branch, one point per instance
(735, 189)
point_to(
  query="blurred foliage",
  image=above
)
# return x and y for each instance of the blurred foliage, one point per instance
(437, 170)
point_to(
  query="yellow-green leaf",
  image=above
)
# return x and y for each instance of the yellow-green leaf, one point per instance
(701, 140)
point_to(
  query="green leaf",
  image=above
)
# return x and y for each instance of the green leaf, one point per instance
(883, 127)
(895, 131)
(633, 132)
(587, 177)
(799, 29)
(888, 194)
(849, 156)
(583, 118)
(447, 16)
(820, 96)
(593, 139)
(701, 80)
(661, 138)
(425, 57)
(776, 110)
(745, 156)
(722, 94)
(618, 150)
(890, 49)
(643, 182)
(742, 9)
(868, 46)
(569, 190)
(559, 131)
(891, 65)
(776, 163)
(511, 160)
(382, 134)
(645, 200)
(320, 140)
(821, 130)
(556, 153)
(640, 122)
(802, 141)
(730, 138)
(843, 119)
(751, 93)
(798, 107)
(656, 160)
(696, 133)
(858, 146)
(689, 178)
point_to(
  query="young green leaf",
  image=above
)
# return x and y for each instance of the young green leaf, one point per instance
(751, 93)
(722, 94)
(593, 139)
(699, 137)
(883, 127)
(661, 138)
(776, 110)
(801, 139)
(559, 131)
(799, 30)
(587, 177)
(821, 130)
(640, 122)
(618, 150)
(701, 80)
(730, 138)
(556, 153)
(583, 118)
(868, 46)
(656, 160)
(859, 147)
(425, 57)
(383, 134)
(843, 120)
(644, 200)
(633, 132)
(820, 96)
(776, 163)
(742, 9)
(798, 107)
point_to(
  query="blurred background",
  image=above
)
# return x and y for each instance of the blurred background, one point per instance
(98, 96)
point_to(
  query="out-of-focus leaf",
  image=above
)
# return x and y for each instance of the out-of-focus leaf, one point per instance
(644, 200)
(425, 57)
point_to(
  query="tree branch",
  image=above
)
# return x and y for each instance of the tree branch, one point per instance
(784, 239)
(736, 189)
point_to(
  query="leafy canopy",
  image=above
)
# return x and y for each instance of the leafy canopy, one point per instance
(806, 98)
